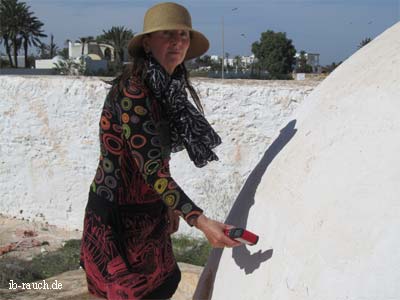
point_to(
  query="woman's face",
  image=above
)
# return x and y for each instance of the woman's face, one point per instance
(168, 47)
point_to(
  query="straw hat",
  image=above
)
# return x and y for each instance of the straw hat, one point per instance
(170, 16)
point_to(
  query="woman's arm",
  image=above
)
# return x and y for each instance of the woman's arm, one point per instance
(214, 232)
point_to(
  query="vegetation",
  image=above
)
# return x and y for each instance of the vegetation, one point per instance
(4, 63)
(71, 67)
(190, 250)
(85, 40)
(118, 37)
(63, 53)
(204, 63)
(48, 51)
(330, 68)
(275, 53)
(364, 42)
(18, 28)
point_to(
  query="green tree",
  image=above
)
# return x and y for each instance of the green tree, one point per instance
(18, 27)
(228, 67)
(275, 53)
(330, 68)
(207, 60)
(48, 51)
(12, 15)
(118, 37)
(63, 53)
(85, 40)
(30, 33)
(238, 62)
(53, 48)
(203, 61)
(43, 51)
(364, 42)
(4, 36)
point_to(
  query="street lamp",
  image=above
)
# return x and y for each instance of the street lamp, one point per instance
(223, 46)
(223, 49)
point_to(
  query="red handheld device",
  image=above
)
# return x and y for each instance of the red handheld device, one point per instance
(242, 235)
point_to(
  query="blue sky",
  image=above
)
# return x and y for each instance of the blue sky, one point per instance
(332, 28)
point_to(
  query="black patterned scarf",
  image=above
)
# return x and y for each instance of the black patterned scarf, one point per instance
(188, 127)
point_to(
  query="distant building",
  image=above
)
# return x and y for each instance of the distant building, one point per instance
(95, 55)
(47, 63)
(96, 51)
(246, 61)
(312, 60)
(215, 57)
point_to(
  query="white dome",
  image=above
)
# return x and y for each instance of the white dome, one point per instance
(325, 197)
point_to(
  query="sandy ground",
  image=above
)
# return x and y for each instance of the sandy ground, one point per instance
(31, 238)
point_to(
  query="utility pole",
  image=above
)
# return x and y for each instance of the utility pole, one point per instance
(223, 50)
(223, 46)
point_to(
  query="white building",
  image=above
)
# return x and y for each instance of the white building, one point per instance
(246, 61)
(215, 57)
(96, 51)
(312, 60)
(47, 63)
(95, 55)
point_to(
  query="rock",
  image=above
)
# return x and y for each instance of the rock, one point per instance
(187, 286)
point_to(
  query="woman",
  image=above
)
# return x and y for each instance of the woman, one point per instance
(134, 204)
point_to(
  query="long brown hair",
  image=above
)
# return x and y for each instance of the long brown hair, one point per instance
(137, 68)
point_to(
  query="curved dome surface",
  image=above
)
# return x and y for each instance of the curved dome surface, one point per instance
(327, 204)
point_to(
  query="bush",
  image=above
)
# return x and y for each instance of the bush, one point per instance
(190, 250)
(70, 67)
(4, 63)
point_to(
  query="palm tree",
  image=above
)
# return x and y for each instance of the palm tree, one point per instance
(18, 27)
(11, 14)
(238, 62)
(53, 49)
(43, 50)
(14, 15)
(118, 37)
(364, 42)
(85, 40)
(227, 61)
(31, 32)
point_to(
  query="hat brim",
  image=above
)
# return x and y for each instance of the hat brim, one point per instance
(199, 44)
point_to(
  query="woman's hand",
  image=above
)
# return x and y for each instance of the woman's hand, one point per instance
(214, 232)
(173, 221)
